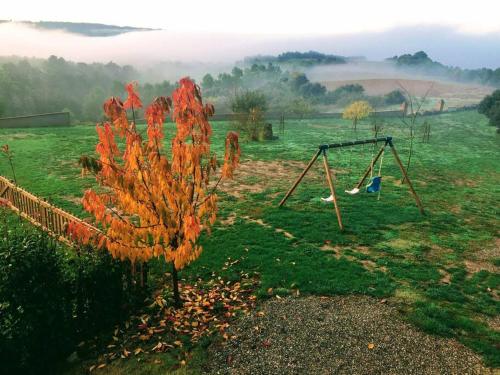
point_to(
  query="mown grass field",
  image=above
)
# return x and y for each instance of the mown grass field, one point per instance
(442, 268)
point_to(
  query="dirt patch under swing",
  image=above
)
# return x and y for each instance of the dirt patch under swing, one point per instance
(256, 176)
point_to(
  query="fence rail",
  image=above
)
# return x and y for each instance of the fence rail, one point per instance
(50, 218)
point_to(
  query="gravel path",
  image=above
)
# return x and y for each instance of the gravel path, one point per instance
(336, 335)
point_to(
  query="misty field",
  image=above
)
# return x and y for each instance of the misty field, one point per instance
(441, 270)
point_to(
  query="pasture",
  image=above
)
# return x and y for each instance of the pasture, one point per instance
(441, 270)
(454, 94)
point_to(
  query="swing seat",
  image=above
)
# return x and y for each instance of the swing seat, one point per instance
(374, 184)
(352, 191)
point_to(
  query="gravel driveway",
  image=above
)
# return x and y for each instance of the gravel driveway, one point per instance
(336, 335)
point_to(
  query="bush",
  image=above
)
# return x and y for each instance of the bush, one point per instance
(249, 109)
(490, 107)
(350, 89)
(36, 309)
(102, 291)
(312, 90)
(250, 124)
(345, 94)
(248, 101)
(51, 300)
(394, 97)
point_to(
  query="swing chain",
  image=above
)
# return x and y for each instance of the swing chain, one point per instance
(381, 161)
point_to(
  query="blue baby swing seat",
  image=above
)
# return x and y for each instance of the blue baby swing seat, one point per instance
(374, 184)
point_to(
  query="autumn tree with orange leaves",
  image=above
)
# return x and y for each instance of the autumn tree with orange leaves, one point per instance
(153, 201)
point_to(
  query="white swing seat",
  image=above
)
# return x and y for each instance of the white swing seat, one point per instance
(353, 191)
(350, 192)
(329, 199)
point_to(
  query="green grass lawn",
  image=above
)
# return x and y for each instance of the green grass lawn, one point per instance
(442, 268)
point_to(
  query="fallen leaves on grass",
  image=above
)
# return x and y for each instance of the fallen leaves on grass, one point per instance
(208, 308)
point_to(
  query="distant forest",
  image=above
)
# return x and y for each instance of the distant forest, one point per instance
(285, 91)
(420, 62)
(298, 58)
(31, 86)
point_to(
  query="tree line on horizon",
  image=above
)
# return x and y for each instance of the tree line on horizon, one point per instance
(31, 86)
(422, 63)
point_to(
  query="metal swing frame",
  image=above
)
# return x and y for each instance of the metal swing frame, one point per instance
(322, 149)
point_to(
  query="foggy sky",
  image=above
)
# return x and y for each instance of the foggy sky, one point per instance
(443, 44)
(291, 17)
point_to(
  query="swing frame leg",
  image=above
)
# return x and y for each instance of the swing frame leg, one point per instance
(405, 177)
(332, 190)
(297, 182)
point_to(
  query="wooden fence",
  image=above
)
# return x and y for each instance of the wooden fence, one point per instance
(268, 116)
(50, 218)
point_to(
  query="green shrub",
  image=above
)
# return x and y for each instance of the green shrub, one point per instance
(394, 97)
(345, 94)
(249, 101)
(102, 291)
(36, 309)
(490, 107)
(249, 108)
(50, 300)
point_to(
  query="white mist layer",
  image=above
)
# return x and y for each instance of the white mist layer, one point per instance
(144, 49)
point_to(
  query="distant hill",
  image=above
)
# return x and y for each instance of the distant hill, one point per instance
(418, 59)
(420, 62)
(310, 58)
(86, 29)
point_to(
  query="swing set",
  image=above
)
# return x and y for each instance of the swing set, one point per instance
(374, 182)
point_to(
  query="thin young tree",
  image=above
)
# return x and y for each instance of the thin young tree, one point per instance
(410, 120)
(357, 111)
(153, 201)
(5, 150)
(249, 108)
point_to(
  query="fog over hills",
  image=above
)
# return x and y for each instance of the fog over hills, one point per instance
(444, 44)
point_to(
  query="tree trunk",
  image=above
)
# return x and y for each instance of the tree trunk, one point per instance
(175, 285)
(144, 274)
(12, 168)
(403, 180)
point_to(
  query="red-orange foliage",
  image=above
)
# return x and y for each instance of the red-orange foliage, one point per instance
(157, 203)
(80, 232)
